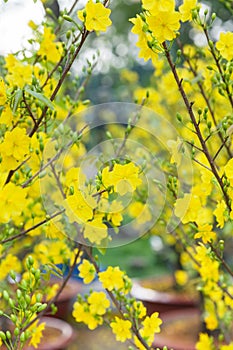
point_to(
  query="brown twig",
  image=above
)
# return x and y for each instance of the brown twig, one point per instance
(189, 106)
(21, 234)
(201, 89)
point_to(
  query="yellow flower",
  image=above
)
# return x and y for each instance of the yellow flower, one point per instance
(209, 270)
(15, 144)
(49, 48)
(213, 291)
(3, 97)
(176, 149)
(138, 25)
(140, 212)
(228, 299)
(79, 208)
(113, 210)
(151, 325)
(139, 308)
(224, 45)
(219, 212)
(164, 25)
(124, 178)
(12, 202)
(186, 9)
(181, 277)
(75, 178)
(187, 208)
(121, 328)
(204, 343)
(228, 168)
(227, 347)
(145, 51)
(6, 116)
(10, 262)
(52, 291)
(54, 229)
(205, 233)
(95, 231)
(158, 5)
(95, 16)
(112, 278)
(81, 313)
(19, 74)
(36, 333)
(86, 271)
(98, 303)
(55, 252)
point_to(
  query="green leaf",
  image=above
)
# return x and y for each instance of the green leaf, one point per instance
(102, 250)
(1, 109)
(16, 100)
(40, 97)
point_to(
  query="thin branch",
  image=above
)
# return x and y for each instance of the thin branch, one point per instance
(220, 148)
(196, 147)
(72, 7)
(217, 60)
(189, 106)
(32, 228)
(28, 108)
(26, 183)
(200, 86)
(224, 263)
(203, 165)
(11, 172)
(57, 180)
(61, 80)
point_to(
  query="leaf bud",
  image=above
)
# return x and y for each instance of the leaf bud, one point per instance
(221, 244)
(22, 337)
(178, 117)
(2, 335)
(13, 318)
(5, 295)
(67, 18)
(213, 17)
(16, 331)
(29, 261)
(42, 307)
(8, 334)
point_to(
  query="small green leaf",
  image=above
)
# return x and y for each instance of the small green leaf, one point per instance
(40, 97)
(102, 250)
(16, 100)
(1, 109)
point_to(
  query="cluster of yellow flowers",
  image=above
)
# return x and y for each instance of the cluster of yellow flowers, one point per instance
(196, 83)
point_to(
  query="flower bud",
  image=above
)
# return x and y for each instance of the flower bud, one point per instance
(67, 18)
(22, 337)
(8, 334)
(2, 335)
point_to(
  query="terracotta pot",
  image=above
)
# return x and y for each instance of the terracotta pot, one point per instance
(57, 335)
(158, 295)
(180, 330)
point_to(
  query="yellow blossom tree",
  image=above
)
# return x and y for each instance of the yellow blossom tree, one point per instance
(53, 210)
